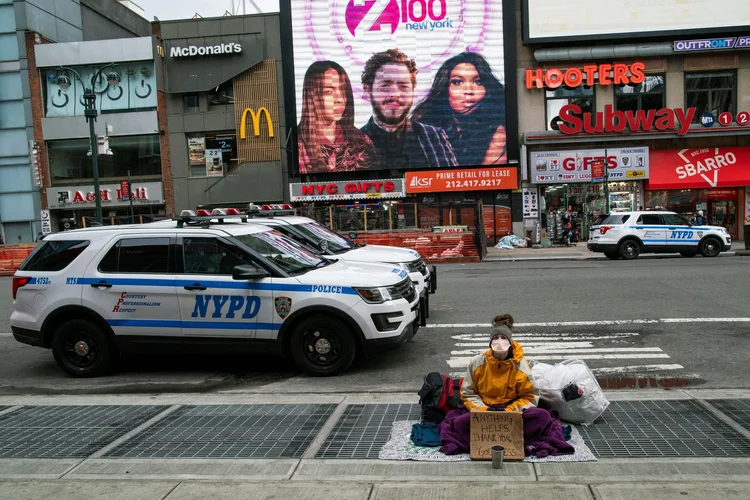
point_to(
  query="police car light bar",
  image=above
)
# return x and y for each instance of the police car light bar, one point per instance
(204, 218)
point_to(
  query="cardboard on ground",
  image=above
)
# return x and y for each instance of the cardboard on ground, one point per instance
(489, 428)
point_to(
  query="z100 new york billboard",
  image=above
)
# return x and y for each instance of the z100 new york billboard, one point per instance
(400, 84)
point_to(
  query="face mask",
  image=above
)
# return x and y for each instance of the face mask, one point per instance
(500, 345)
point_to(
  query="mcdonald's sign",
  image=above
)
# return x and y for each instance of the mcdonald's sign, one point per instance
(256, 122)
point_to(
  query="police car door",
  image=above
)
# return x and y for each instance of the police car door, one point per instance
(212, 304)
(131, 284)
(680, 234)
(650, 229)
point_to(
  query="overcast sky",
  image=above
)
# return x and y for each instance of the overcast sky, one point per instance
(185, 9)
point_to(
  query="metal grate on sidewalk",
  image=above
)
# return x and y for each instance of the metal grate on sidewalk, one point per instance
(363, 429)
(67, 431)
(681, 428)
(737, 409)
(229, 431)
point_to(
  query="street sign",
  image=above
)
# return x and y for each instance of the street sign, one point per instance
(124, 190)
(46, 224)
(597, 171)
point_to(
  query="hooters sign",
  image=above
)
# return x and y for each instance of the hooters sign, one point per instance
(700, 168)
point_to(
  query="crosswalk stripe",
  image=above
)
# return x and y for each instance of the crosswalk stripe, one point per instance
(546, 350)
(483, 346)
(484, 337)
(636, 368)
(463, 362)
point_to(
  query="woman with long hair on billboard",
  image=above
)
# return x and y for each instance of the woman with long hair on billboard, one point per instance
(468, 102)
(328, 139)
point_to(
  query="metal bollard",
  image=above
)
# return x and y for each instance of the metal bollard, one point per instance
(498, 454)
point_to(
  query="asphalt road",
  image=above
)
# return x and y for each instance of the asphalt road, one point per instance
(622, 338)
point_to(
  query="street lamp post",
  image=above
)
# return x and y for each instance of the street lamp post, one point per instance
(90, 112)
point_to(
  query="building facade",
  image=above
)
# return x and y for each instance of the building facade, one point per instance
(222, 96)
(662, 114)
(127, 130)
(24, 25)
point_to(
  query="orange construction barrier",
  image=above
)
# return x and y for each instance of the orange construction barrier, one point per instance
(433, 247)
(12, 256)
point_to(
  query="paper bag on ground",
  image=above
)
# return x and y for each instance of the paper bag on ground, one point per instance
(489, 428)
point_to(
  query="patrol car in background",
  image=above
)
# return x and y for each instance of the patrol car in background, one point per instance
(626, 235)
(207, 285)
(330, 244)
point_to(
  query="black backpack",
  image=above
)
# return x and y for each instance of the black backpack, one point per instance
(439, 395)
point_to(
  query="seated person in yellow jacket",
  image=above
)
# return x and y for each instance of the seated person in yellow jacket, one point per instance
(500, 378)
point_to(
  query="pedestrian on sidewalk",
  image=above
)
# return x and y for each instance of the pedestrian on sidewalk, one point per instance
(500, 380)
(699, 219)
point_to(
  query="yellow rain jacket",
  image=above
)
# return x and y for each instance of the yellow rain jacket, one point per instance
(491, 382)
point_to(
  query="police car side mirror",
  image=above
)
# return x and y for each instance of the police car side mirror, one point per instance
(248, 272)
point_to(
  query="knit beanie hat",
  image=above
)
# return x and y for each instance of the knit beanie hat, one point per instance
(501, 325)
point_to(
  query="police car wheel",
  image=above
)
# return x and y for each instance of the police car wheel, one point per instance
(688, 254)
(611, 255)
(323, 346)
(82, 349)
(710, 247)
(629, 249)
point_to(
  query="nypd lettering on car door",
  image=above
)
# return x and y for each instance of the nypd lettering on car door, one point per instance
(237, 306)
(682, 235)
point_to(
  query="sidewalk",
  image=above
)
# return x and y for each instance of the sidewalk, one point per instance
(580, 252)
(690, 443)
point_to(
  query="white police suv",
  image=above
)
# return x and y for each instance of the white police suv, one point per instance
(330, 244)
(207, 285)
(626, 235)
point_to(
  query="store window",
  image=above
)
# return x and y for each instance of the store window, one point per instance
(221, 95)
(212, 154)
(191, 102)
(713, 93)
(582, 96)
(135, 89)
(69, 160)
(650, 94)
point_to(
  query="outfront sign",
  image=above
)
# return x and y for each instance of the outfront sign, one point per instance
(726, 43)
(347, 190)
(556, 167)
(700, 168)
(78, 197)
(474, 179)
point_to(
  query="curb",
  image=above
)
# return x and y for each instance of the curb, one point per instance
(740, 253)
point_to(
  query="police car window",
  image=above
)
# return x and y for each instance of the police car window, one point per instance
(137, 255)
(616, 219)
(675, 220)
(282, 251)
(211, 256)
(318, 232)
(54, 255)
(650, 219)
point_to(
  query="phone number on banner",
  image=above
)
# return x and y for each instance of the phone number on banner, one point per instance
(474, 183)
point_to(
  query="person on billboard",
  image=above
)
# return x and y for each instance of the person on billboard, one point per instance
(328, 139)
(389, 79)
(468, 102)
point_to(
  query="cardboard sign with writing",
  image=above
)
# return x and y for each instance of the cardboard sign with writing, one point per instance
(489, 428)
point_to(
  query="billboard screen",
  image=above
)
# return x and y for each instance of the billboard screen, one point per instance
(556, 21)
(399, 84)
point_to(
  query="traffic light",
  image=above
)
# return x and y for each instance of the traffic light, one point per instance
(36, 164)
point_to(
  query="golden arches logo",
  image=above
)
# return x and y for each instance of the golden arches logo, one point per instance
(256, 122)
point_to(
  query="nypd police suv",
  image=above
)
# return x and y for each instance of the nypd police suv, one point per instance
(208, 285)
(625, 235)
(332, 245)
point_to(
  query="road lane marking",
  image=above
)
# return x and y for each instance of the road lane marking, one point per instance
(463, 362)
(636, 368)
(553, 350)
(597, 323)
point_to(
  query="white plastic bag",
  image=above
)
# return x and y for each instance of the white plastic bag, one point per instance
(552, 379)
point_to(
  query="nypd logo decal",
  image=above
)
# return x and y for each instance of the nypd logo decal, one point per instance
(283, 306)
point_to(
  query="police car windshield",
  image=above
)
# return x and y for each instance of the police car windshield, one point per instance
(282, 251)
(318, 232)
